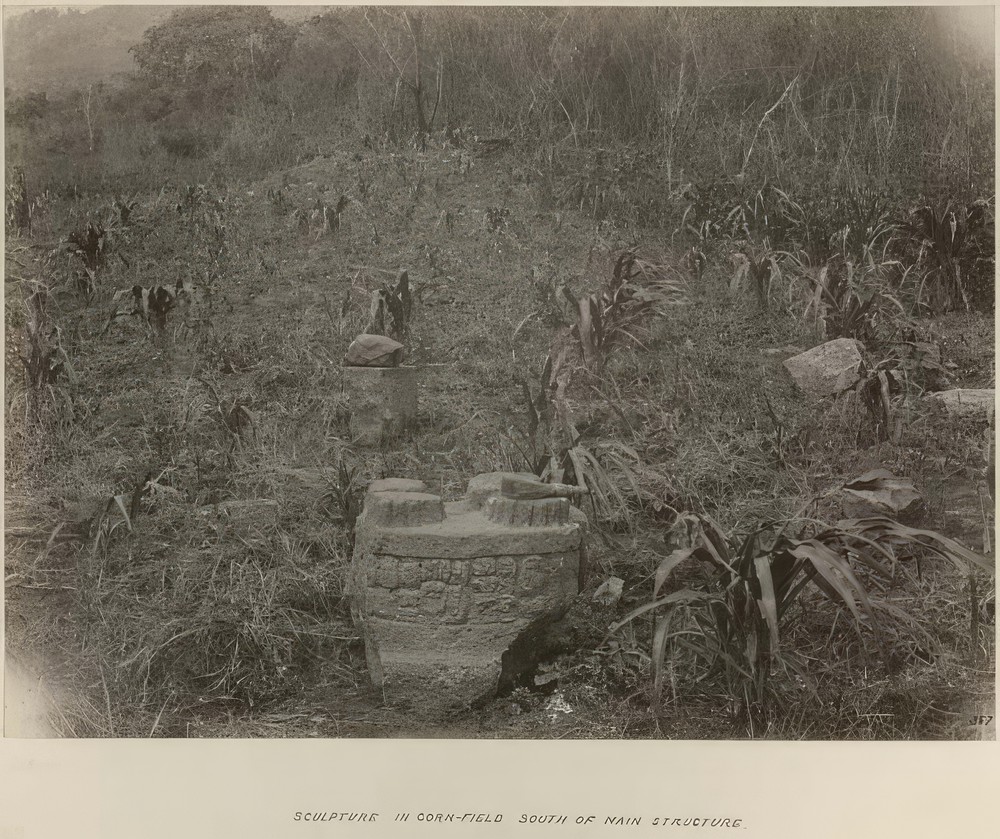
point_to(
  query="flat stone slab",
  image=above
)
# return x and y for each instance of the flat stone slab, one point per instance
(828, 369)
(968, 403)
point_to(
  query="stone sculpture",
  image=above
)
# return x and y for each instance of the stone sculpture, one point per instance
(441, 591)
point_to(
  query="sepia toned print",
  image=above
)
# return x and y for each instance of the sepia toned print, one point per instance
(508, 373)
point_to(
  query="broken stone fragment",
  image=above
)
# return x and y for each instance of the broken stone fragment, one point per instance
(828, 369)
(374, 351)
(879, 493)
(967, 403)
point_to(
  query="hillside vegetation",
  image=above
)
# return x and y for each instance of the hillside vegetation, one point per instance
(617, 223)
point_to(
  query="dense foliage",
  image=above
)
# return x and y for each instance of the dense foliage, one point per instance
(214, 44)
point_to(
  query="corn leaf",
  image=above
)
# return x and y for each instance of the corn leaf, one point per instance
(683, 596)
(767, 603)
(659, 648)
(667, 566)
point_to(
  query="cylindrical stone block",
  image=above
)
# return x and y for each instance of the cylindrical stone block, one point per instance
(382, 402)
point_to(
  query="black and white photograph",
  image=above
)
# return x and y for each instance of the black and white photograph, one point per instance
(528, 373)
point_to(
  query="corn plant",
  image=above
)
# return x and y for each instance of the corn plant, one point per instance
(392, 306)
(539, 414)
(845, 306)
(343, 497)
(846, 299)
(946, 239)
(614, 314)
(758, 266)
(44, 359)
(730, 622)
(735, 209)
(867, 216)
(89, 246)
(17, 209)
(554, 449)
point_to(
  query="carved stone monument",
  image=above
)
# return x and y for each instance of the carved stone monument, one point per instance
(442, 590)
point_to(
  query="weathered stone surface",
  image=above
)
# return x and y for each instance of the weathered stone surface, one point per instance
(534, 489)
(518, 512)
(482, 487)
(440, 603)
(403, 509)
(397, 485)
(382, 402)
(374, 351)
(466, 533)
(879, 493)
(828, 369)
(967, 403)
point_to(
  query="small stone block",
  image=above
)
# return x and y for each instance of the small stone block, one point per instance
(403, 509)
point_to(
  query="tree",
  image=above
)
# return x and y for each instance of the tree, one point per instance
(407, 57)
(214, 44)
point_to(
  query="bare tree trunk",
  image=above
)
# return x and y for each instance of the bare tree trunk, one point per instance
(88, 115)
(415, 25)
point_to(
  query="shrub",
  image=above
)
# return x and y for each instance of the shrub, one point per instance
(730, 621)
